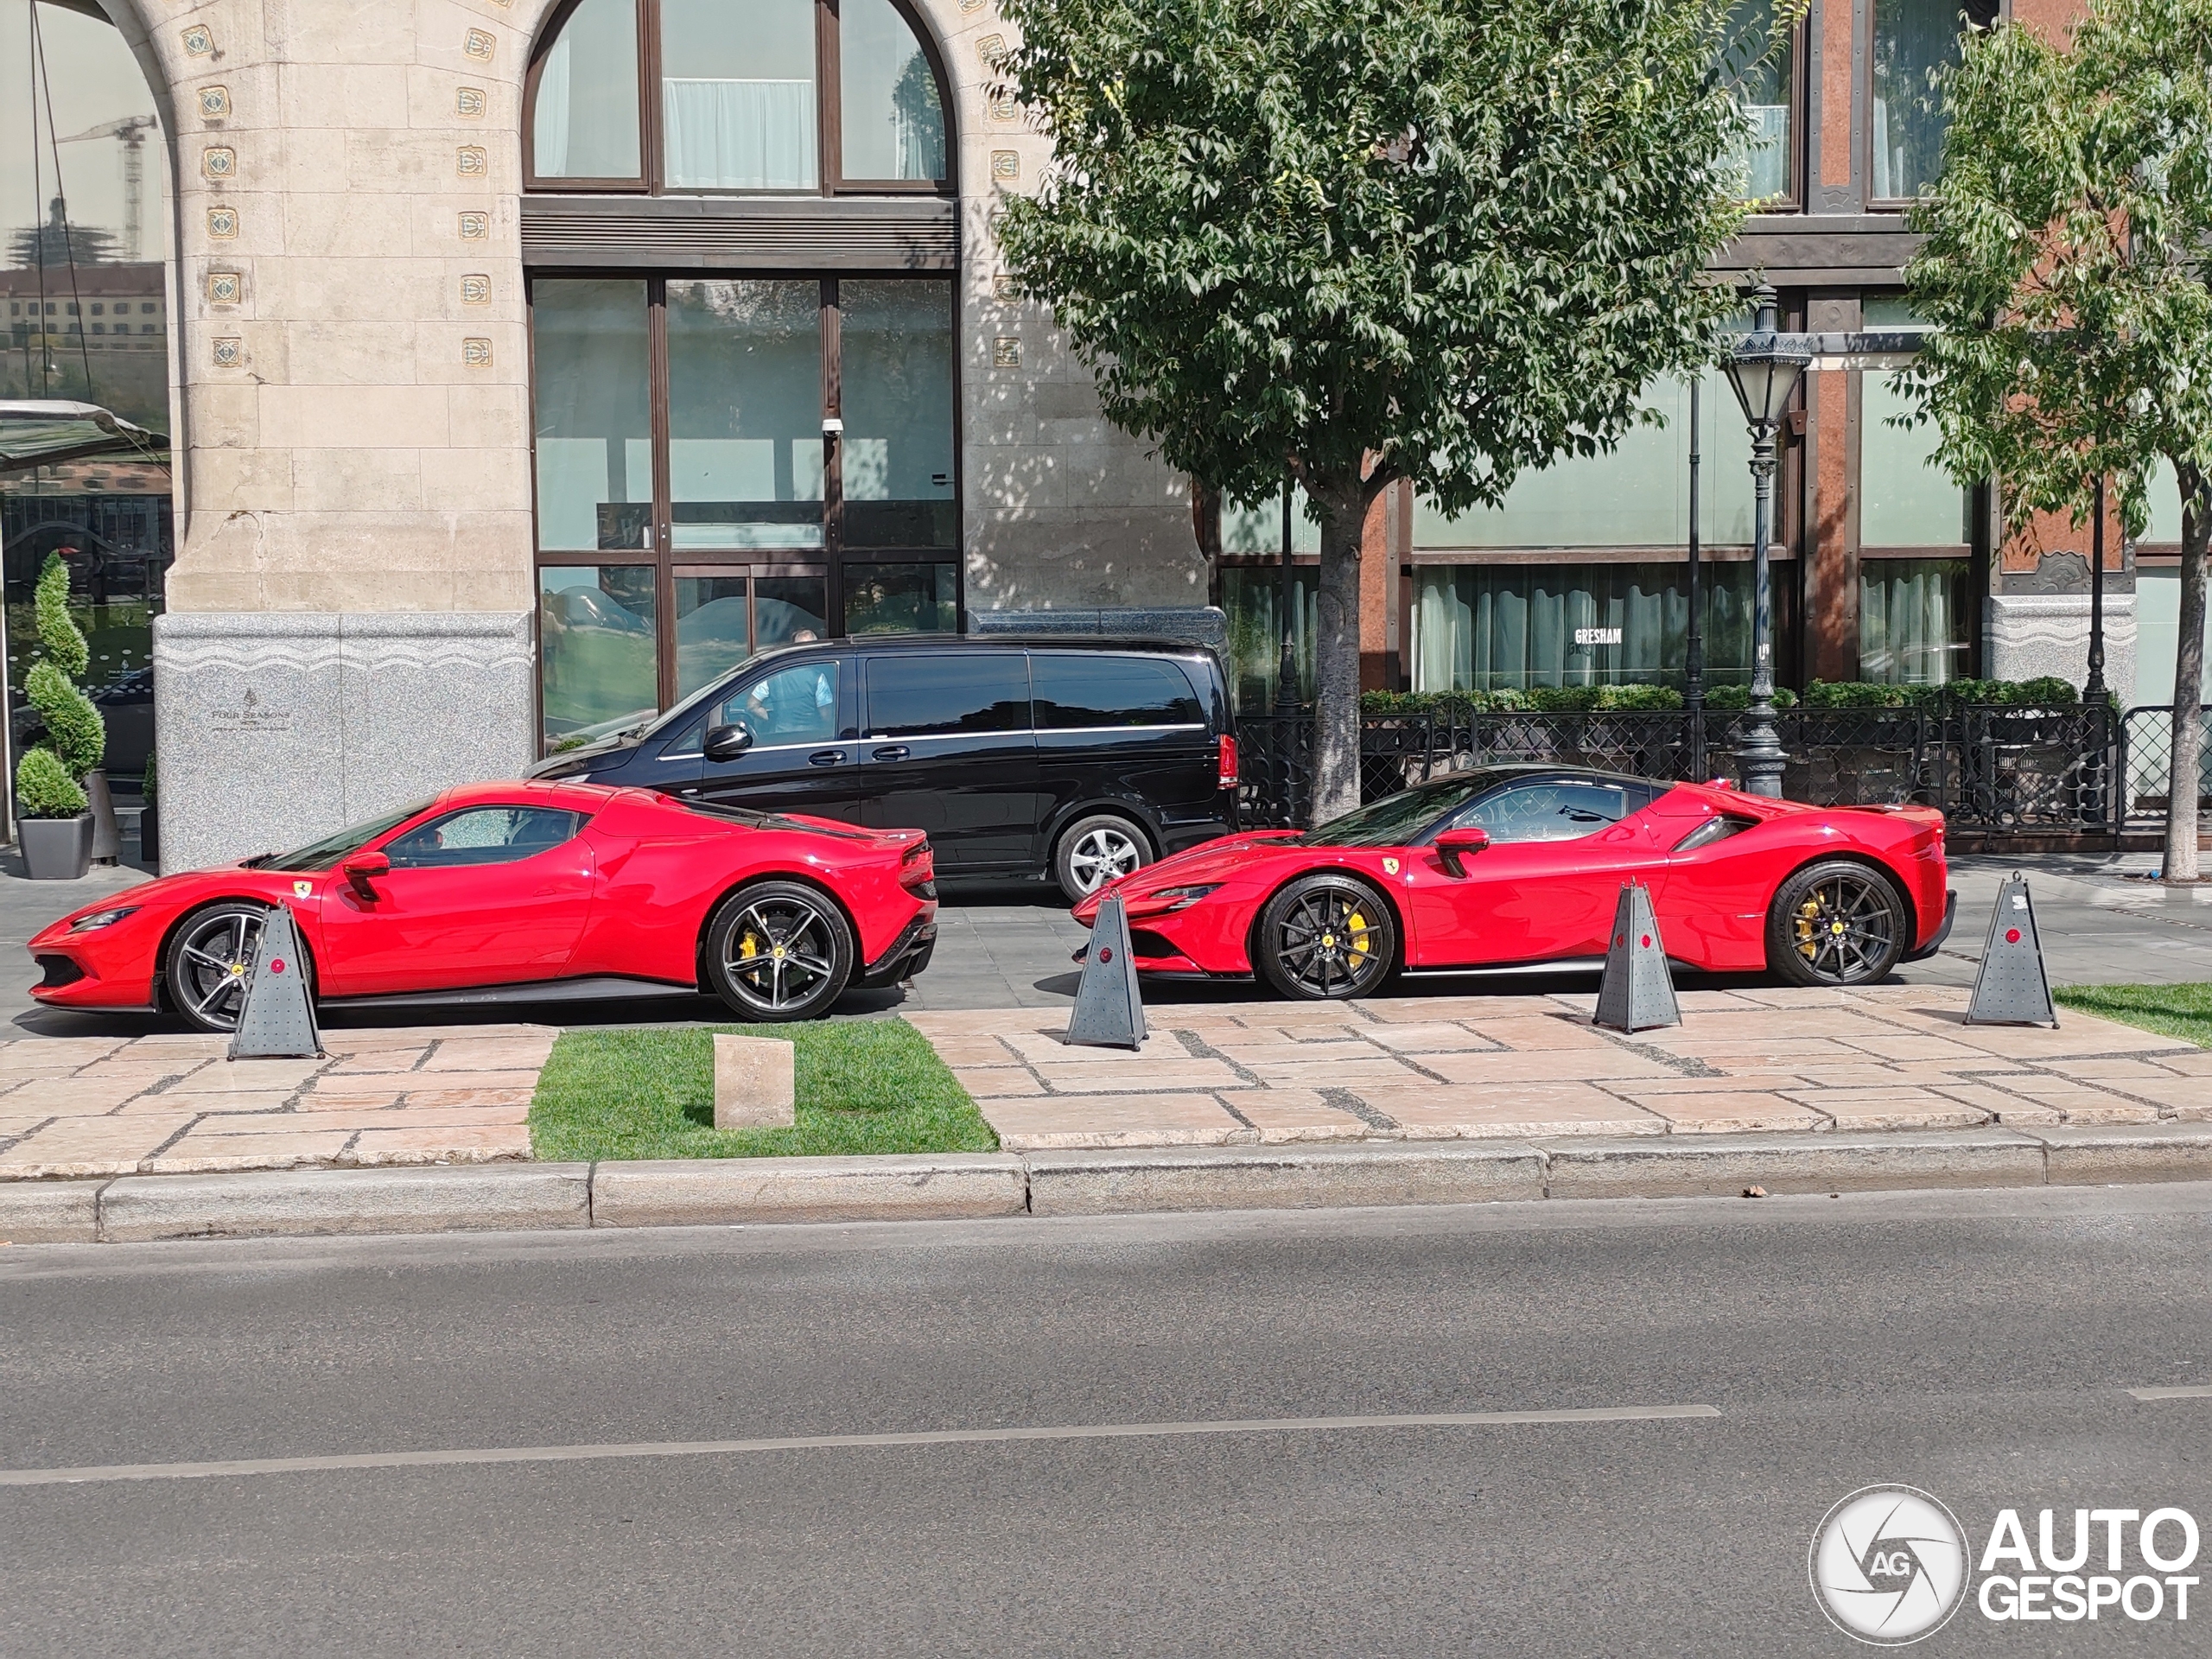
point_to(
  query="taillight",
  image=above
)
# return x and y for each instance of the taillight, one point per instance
(1228, 761)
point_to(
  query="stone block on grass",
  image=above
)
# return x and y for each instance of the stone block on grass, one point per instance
(756, 1083)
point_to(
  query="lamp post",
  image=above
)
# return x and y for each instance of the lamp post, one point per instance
(1693, 646)
(1286, 614)
(2094, 691)
(1765, 370)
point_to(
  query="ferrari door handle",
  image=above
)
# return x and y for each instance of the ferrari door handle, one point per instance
(892, 751)
(825, 758)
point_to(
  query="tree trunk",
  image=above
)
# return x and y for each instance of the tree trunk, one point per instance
(1336, 652)
(2185, 765)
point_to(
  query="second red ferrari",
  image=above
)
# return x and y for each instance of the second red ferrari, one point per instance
(1522, 866)
(524, 892)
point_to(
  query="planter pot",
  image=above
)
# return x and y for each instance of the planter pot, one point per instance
(149, 836)
(56, 849)
(107, 838)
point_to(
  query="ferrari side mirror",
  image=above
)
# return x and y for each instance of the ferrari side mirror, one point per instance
(1454, 845)
(360, 868)
(726, 742)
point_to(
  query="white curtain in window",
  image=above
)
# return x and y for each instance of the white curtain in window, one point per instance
(550, 135)
(1912, 617)
(1499, 627)
(740, 135)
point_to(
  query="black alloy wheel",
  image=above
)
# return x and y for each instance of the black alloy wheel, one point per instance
(1836, 924)
(205, 972)
(780, 950)
(1326, 936)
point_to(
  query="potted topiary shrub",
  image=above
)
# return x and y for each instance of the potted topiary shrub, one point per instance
(149, 821)
(57, 830)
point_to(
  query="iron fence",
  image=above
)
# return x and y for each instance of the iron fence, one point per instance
(1998, 770)
(2149, 745)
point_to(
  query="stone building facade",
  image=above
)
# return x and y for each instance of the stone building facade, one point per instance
(494, 416)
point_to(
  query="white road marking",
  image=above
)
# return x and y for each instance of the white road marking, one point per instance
(826, 1442)
(2193, 1393)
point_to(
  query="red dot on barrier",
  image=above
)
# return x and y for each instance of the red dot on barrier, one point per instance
(1647, 941)
(277, 966)
(1105, 954)
(2011, 935)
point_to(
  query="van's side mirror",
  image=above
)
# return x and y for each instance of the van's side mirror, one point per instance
(358, 869)
(1455, 845)
(726, 742)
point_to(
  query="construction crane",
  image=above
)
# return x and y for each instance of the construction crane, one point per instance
(131, 132)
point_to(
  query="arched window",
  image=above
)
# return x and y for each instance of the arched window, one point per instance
(750, 95)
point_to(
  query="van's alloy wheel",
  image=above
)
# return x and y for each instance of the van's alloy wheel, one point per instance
(1839, 923)
(205, 972)
(780, 950)
(1326, 936)
(1095, 850)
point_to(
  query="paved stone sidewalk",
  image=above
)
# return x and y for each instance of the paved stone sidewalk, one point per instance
(87, 1106)
(1443, 1068)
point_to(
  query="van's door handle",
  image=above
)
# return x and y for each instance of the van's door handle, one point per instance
(825, 757)
(892, 751)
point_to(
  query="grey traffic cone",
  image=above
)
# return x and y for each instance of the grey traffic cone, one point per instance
(2010, 988)
(1638, 991)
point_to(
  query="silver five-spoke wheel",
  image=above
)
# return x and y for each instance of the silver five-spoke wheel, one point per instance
(1096, 850)
(780, 950)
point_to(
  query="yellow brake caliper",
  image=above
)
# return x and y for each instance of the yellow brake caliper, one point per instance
(1355, 927)
(749, 946)
(1807, 914)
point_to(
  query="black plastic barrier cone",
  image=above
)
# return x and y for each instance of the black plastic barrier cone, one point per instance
(1109, 1012)
(2012, 989)
(1637, 993)
(277, 1018)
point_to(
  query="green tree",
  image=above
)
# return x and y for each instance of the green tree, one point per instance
(76, 736)
(2066, 266)
(1441, 240)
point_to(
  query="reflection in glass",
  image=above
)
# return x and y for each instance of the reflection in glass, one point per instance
(711, 633)
(788, 610)
(893, 126)
(1258, 529)
(1496, 627)
(595, 428)
(1913, 618)
(1762, 84)
(737, 95)
(1905, 499)
(1249, 594)
(745, 414)
(901, 598)
(896, 342)
(599, 666)
(584, 124)
(1914, 41)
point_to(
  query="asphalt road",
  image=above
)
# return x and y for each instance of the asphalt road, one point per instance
(1007, 944)
(1978, 1346)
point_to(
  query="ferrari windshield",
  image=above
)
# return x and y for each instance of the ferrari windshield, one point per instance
(324, 854)
(1395, 820)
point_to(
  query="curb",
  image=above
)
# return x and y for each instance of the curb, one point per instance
(485, 1197)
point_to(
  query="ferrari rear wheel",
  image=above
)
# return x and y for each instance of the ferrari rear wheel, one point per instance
(208, 960)
(1836, 924)
(1325, 936)
(780, 950)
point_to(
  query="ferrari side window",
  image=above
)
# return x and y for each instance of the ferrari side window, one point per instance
(794, 705)
(483, 835)
(1713, 830)
(1550, 812)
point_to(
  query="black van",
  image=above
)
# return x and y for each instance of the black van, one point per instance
(1072, 757)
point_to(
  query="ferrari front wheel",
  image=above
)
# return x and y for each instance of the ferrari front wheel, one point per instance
(780, 950)
(206, 970)
(1836, 924)
(1325, 936)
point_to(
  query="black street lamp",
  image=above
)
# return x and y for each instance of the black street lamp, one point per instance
(2094, 691)
(1693, 646)
(1765, 370)
(1286, 698)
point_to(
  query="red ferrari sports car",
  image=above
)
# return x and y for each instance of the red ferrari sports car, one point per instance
(525, 891)
(1522, 866)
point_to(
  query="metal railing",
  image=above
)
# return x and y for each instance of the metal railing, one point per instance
(2149, 743)
(1999, 769)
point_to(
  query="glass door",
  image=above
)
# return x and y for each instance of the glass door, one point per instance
(725, 613)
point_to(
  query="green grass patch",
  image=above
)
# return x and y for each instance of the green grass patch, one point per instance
(2170, 1010)
(864, 1086)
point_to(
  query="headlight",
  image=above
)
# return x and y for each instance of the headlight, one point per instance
(1181, 898)
(102, 918)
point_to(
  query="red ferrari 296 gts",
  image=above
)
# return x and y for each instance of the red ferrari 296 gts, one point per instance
(1520, 866)
(525, 891)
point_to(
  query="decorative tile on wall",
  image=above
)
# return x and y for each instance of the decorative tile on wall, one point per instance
(229, 353)
(476, 351)
(468, 103)
(218, 162)
(222, 222)
(478, 44)
(1006, 166)
(215, 102)
(224, 286)
(471, 161)
(1006, 352)
(476, 227)
(476, 289)
(199, 41)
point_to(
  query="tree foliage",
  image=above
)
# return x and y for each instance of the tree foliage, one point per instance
(2068, 251)
(1437, 240)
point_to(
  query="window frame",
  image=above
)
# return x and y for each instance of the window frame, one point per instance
(664, 559)
(828, 116)
(1796, 150)
(1862, 100)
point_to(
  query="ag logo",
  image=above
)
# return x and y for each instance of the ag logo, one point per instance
(1889, 1565)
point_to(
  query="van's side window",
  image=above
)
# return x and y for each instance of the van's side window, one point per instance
(913, 696)
(1076, 690)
